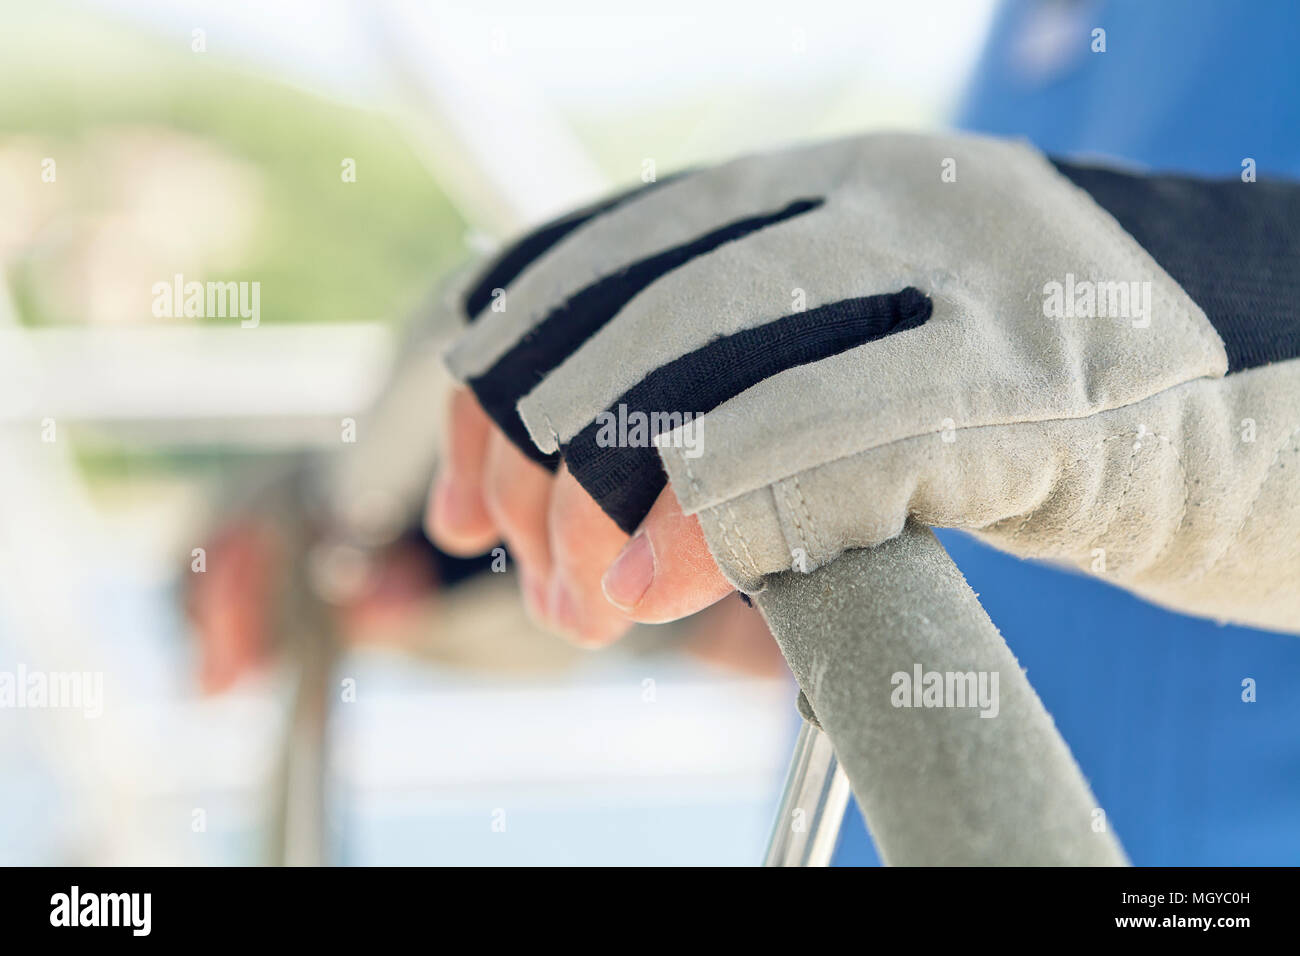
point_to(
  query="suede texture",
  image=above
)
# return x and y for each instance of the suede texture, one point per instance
(1111, 442)
(983, 247)
(1190, 498)
(938, 785)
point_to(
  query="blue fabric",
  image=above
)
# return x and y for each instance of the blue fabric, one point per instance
(1150, 701)
(1190, 86)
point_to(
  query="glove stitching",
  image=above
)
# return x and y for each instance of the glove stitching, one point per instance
(700, 495)
(1182, 515)
(1259, 491)
(812, 532)
(1128, 486)
(1100, 216)
(751, 569)
(783, 502)
(1078, 461)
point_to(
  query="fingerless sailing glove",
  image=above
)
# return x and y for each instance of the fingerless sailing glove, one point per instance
(811, 345)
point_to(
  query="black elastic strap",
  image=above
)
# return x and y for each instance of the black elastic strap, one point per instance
(626, 478)
(565, 328)
(1233, 246)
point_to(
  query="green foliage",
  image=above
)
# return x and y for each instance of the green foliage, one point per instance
(323, 249)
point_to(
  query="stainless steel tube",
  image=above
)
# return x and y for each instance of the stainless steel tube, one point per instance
(816, 795)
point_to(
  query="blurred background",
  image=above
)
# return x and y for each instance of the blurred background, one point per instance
(217, 515)
(315, 683)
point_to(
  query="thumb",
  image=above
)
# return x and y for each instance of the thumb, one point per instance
(665, 571)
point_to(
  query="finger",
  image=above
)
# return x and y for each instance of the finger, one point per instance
(518, 492)
(728, 287)
(231, 606)
(666, 571)
(584, 540)
(457, 518)
(624, 230)
(555, 305)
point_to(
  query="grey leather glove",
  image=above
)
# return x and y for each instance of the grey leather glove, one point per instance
(946, 327)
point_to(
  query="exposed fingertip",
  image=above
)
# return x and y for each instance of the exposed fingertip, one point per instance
(666, 572)
(630, 576)
(536, 600)
(564, 608)
(459, 522)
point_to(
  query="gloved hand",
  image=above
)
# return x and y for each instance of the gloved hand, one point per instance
(812, 345)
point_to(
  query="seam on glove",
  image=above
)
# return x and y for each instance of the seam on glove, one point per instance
(785, 504)
(626, 477)
(788, 509)
(697, 487)
(1029, 516)
(1123, 495)
(813, 539)
(1182, 514)
(780, 500)
(751, 568)
(1099, 536)
(1259, 491)
(1201, 230)
(1095, 211)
